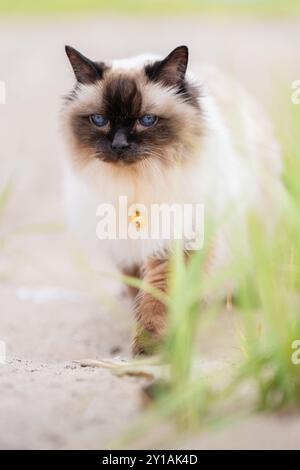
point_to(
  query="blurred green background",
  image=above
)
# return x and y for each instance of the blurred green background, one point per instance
(224, 7)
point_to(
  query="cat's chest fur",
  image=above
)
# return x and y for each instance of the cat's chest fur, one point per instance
(213, 180)
(84, 197)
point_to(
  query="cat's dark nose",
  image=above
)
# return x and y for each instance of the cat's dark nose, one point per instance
(120, 142)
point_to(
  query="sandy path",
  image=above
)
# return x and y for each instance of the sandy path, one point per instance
(49, 314)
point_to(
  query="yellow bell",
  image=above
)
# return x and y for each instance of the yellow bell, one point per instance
(137, 219)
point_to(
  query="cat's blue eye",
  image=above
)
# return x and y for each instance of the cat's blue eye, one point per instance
(98, 120)
(148, 120)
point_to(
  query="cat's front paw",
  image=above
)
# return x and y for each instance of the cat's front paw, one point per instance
(146, 343)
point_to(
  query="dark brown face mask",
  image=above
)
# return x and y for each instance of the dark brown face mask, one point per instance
(120, 133)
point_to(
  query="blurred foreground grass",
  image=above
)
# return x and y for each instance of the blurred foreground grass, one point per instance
(163, 7)
(266, 377)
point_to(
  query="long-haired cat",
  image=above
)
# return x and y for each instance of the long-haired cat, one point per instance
(147, 129)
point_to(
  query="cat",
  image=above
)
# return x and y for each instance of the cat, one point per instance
(148, 129)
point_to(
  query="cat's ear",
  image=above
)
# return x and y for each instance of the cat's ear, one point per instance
(171, 70)
(85, 70)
